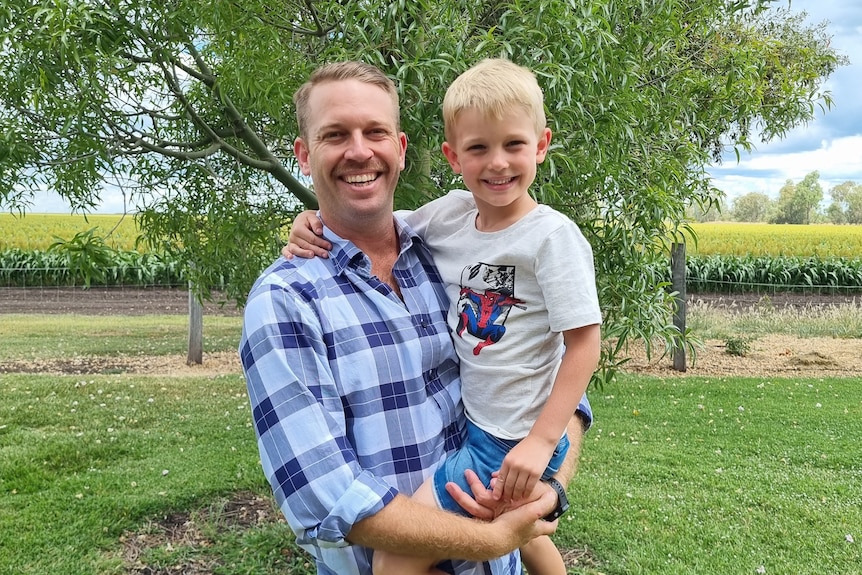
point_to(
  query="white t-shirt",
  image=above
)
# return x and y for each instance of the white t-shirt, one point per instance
(512, 293)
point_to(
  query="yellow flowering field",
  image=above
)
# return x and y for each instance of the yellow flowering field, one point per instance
(38, 231)
(742, 239)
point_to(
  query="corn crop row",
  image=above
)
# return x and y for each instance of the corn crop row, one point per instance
(25, 268)
(22, 268)
(764, 273)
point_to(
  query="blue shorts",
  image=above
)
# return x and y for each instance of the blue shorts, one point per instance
(483, 453)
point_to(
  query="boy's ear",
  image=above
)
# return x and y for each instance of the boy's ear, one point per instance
(543, 145)
(452, 157)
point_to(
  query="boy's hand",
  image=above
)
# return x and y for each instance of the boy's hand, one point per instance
(305, 239)
(522, 468)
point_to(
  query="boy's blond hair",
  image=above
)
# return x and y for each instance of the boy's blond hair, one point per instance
(494, 86)
(338, 71)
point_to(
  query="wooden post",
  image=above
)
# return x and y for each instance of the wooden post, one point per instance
(196, 329)
(677, 265)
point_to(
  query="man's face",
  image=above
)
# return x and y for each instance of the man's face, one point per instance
(353, 151)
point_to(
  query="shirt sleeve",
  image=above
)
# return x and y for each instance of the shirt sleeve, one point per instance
(566, 275)
(300, 421)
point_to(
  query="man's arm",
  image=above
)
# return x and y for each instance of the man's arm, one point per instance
(410, 528)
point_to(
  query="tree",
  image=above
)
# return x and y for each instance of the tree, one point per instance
(186, 106)
(846, 206)
(798, 202)
(752, 207)
(714, 212)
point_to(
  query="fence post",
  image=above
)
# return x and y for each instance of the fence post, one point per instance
(677, 266)
(196, 329)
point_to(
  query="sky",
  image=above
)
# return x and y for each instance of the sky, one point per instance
(830, 144)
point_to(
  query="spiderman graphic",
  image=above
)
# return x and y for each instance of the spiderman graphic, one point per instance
(483, 312)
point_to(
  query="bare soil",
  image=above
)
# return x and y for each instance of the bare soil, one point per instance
(770, 356)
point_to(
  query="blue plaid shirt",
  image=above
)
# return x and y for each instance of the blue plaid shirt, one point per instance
(355, 393)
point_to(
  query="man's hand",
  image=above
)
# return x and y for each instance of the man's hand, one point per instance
(305, 239)
(525, 523)
(483, 505)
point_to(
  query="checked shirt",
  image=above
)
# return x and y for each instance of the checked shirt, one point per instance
(355, 393)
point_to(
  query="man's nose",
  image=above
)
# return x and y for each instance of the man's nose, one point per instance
(358, 148)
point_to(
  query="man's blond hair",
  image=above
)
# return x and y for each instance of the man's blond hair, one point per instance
(494, 87)
(339, 71)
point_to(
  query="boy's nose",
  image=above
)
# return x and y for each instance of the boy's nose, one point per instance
(498, 160)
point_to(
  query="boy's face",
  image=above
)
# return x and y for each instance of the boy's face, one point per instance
(496, 157)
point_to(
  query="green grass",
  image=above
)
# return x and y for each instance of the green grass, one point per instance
(680, 475)
(721, 475)
(85, 459)
(33, 336)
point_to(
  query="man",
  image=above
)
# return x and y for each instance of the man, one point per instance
(351, 371)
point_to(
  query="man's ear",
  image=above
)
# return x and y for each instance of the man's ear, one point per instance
(300, 150)
(452, 157)
(543, 146)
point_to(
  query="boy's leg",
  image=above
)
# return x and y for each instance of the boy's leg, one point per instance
(541, 557)
(387, 563)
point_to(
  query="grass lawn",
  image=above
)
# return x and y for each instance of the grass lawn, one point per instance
(111, 474)
(738, 475)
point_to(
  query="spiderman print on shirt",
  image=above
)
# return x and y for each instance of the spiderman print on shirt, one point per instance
(486, 297)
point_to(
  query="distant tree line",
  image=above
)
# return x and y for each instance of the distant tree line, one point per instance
(797, 203)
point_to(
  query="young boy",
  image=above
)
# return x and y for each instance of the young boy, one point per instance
(523, 311)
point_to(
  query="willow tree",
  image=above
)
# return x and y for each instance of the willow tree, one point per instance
(185, 107)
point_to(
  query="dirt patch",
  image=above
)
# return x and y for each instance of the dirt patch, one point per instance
(107, 301)
(219, 363)
(182, 540)
(768, 356)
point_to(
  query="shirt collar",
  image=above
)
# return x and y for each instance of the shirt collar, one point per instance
(344, 252)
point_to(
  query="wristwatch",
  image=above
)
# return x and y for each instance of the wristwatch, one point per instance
(562, 500)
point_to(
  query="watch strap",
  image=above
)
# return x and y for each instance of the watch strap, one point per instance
(562, 500)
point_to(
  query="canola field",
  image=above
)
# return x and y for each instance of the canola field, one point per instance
(39, 231)
(776, 240)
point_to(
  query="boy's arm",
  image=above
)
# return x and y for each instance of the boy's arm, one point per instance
(523, 466)
(306, 237)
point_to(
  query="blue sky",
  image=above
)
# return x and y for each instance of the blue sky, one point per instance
(830, 144)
